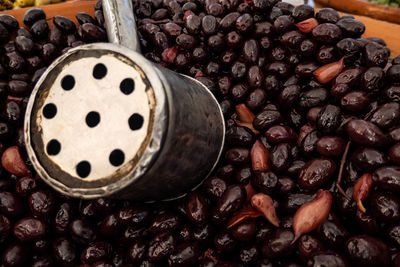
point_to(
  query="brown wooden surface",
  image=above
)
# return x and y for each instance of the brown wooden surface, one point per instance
(390, 32)
(67, 9)
(364, 8)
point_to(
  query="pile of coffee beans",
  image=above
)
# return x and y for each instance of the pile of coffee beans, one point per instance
(310, 174)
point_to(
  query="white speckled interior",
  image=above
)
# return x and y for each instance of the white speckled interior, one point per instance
(78, 141)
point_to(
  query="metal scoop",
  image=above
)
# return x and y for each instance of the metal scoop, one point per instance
(103, 120)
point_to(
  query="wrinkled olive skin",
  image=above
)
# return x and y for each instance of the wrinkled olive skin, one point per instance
(333, 234)
(185, 254)
(330, 146)
(366, 250)
(372, 79)
(327, 33)
(278, 244)
(265, 181)
(351, 27)
(375, 55)
(240, 136)
(293, 201)
(355, 101)
(387, 115)
(307, 246)
(316, 173)
(365, 133)
(280, 157)
(368, 223)
(267, 118)
(388, 178)
(328, 258)
(328, 119)
(327, 15)
(385, 206)
(313, 98)
(368, 159)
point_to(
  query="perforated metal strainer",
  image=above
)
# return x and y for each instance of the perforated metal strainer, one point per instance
(103, 120)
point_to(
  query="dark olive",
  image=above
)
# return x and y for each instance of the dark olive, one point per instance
(366, 250)
(283, 24)
(366, 133)
(249, 254)
(184, 255)
(355, 101)
(257, 97)
(29, 229)
(327, 15)
(64, 24)
(280, 134)
(330, 146)
(267, 118)
(388, 178)
(15, 255)
(328, 119)
(351, 27)
(393, 74)
(164, 222)
(244, 231)
(96, 252)
(231, 200)
(307, 246)
(280, 157)
(33, 15)
(292, 39)
(333, 234)
(265, 182)
(251, 51)
(387, 115)
(375, 55)
(368, 159)
(64, 251)
(327, 33)
(306, 68)
(313, 98)
(326, 54)
(40, 29)
(327, 258)
(385, 206)
(244, 23)
(278, 244)
(196, 209)
(262, 29)
(372, 79)
(316, 173)
(289, 95)
(228, 22)
(224, 241)
(161, 246)
(302, 12)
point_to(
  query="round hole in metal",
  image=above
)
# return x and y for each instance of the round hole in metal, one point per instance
(53, 147)
(68, 82)
(127, 86)
(92, 119)
(135, 121)
(50, 111)
(117, 157)
(99, 71)
(83, 169)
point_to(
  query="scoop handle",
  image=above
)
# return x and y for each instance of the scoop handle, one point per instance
(120, 23)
